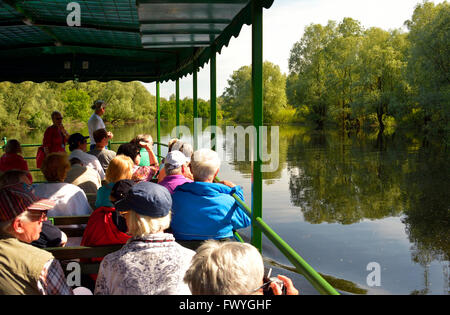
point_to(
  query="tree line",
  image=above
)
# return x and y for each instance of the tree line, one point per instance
(29, 104)
(340, 74)
(351, 77)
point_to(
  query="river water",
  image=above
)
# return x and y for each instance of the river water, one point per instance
(370, 209)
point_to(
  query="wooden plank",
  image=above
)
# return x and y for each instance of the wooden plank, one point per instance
(68, 220)
(76, 252)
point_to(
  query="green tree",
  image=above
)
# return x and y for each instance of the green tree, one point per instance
(381, 67)
(77, 104)
(237, 98)
(308, 66)
(429, 64)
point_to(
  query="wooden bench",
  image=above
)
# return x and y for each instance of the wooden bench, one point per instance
(66, 224)
(78, 253)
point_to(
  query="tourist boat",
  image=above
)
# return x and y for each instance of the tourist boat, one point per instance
(143, 40)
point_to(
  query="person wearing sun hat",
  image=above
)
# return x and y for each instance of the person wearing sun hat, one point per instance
(177, 170)
(151, 262)
(95, 122)
(25, 269)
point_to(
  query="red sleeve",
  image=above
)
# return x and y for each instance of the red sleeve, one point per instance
(48, 135)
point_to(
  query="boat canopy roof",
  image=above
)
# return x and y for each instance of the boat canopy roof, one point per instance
(126, 40)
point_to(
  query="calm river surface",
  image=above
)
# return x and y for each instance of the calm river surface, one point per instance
(343, 202)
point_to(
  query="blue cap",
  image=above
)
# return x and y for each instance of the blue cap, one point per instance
(147, 198)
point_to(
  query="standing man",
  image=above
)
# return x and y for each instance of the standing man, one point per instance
(96, 121)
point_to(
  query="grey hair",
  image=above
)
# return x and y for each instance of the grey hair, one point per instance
(204, 164)
(225, 268)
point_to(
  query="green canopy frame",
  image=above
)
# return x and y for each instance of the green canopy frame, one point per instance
(143, 40)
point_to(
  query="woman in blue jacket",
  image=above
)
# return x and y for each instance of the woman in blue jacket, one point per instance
(203, 209)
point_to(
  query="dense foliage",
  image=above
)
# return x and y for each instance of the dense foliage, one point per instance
(30, 104)
(340, 74)
(353, 77)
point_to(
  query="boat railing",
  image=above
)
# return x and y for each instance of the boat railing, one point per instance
(30, 145)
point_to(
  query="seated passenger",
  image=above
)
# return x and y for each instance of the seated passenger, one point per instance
(151, 262)
(50, 236)
(145, 159)
(140, 173)
(203, 209)
(241, 269)
(70, 199)
(25, 269)
(12, 160)
(177, 168)
(121, 167)
(84, 177)
(103, 155)
(78, 145)
(183, 147)
(104, 226)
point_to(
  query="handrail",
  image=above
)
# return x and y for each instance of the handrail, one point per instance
(29, 145)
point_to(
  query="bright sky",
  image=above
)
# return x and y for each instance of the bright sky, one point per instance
(283, 26)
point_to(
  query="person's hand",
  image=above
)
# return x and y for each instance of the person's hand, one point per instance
(227, 183)
(63, 130)
(290, 289)
(63, 239)
(146, 145)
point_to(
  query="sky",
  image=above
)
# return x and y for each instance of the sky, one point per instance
(283, 25)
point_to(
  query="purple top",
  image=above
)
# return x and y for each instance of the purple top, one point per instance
(173, 181)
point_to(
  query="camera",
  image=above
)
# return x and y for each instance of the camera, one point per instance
(267, 290)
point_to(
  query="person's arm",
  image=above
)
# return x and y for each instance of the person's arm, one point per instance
(64, 132)
(151, 155)
(240, 218)
(47, 141)
(52, 280)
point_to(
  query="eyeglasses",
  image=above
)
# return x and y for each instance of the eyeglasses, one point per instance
(36, 215)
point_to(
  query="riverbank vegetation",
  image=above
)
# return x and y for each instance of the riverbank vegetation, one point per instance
(341, 75)
(344, 75)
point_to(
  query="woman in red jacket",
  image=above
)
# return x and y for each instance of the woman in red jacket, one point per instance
(11, 160)
(55, 139)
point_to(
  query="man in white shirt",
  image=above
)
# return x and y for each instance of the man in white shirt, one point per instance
(77, 145)
(96, 121)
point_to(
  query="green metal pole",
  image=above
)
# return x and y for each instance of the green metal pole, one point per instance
(213, 87)
(195, 104)
(194, 92)
(177, 100)
(158, 120)
(257, 97)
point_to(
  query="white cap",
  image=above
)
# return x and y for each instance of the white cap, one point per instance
(175, 159)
